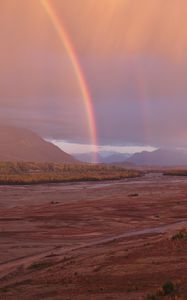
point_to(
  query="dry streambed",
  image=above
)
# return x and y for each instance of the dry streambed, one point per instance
(93, 241)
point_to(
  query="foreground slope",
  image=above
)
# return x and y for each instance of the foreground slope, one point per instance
(18, 144)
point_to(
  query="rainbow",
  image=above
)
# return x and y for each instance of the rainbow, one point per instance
(67, 43)
(143, 96)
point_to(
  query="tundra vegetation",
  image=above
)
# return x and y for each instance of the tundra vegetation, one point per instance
(175, 172)
(36, 173)
(181, 235)
(170, 291)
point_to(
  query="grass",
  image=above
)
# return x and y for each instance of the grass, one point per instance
(16, 173)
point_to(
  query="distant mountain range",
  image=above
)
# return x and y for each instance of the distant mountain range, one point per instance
(106, 157)
(18, 144)
(160, 157)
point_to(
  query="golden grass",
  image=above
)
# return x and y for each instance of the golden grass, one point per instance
(36, 173)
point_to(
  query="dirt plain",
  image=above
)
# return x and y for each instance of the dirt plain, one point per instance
(107, 240)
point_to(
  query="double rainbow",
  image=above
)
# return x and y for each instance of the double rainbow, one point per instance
(67, 43)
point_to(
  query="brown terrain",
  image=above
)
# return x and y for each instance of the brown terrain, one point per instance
(107, 240)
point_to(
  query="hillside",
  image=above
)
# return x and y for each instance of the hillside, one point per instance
(18, 144)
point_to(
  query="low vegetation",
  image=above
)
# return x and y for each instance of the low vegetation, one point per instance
(169, 289)
(176, 172)
(181, 235)
(35, 173)
(40, 265)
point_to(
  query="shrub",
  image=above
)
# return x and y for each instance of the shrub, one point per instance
(168, 289)
(182, 234)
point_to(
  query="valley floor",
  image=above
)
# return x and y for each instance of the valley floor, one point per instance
(108, 240)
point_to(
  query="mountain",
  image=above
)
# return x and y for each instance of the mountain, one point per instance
(87, 157)
(160, 157)
(18, 144)
(115, 157)
(106, 157)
